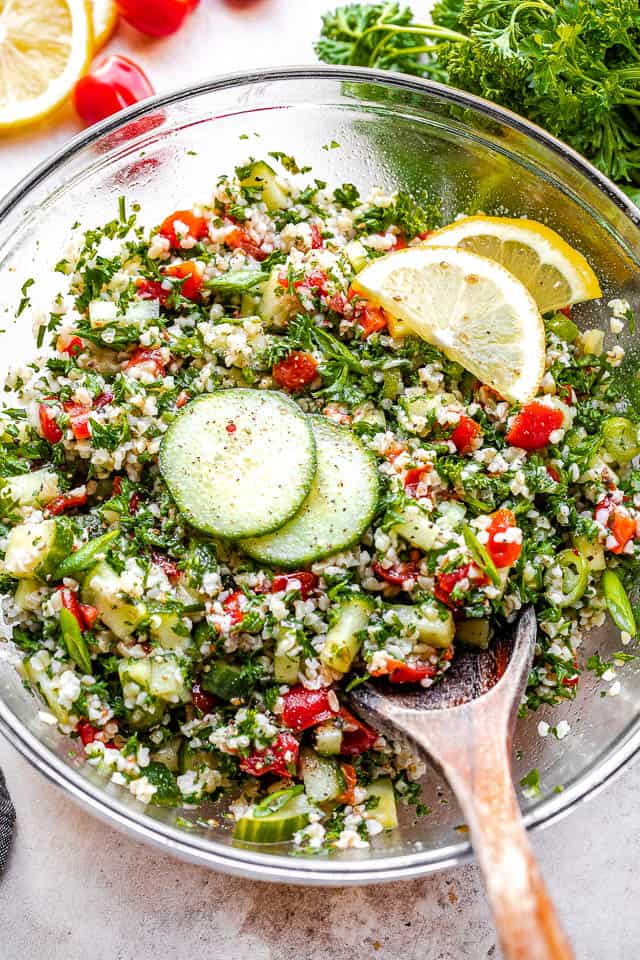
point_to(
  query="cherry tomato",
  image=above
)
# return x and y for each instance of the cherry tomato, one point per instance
(465, 433)
(232, 608)
(72, 346)
(304, 708)
(447, 582)
(152, 290)
(503, 552)
(69, 599)
(159, 18)
(86, 732)
(308, 582)
(67, 501)
(89, 614)
(295, 372)
(182, 398)
(113, 84)
(623, 529)
(103, 400)
(371, 319)
(357, 737)
(280, 758)
(239, 239)
(400, 243)
(350, 782)
(413, 477)
(316, 237)
(397, 574)
(400, 672)
(48, 426)
(197, 227)
(167, 566)
(533, 426)
(78, 419)
(151, 358)
(134, 503)
(190, 274)
(554, 473)
(202, 700)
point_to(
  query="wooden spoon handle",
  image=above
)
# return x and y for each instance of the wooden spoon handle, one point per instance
(526, 920)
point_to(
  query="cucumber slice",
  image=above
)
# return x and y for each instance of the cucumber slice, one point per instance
(261, 176)
(37, 549)
(385, 810)
(592, 552)
(34, 489)
(102, 589)
(339, 508)
(244, 481)
(167, 681)
(323, 778)
(342, 643)
(276, 827)
(327, 738)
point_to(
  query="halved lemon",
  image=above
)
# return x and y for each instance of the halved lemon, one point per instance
(104, 15)
(44, 50)
(555, 274)
(474, 310)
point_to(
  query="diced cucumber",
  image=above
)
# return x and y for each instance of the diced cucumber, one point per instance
(341, 644)
(167, 793)
(368, 413)
(433, 626)
(323, 779)
(327, 738)
(452, 513)
(102, 588)
(276, 827)
(167, 681)
(286, 659)
(243, 481)
(392, 383)
(170, 632)
(424, 407)
(27, 595)
(339, 508)
(169, 753)
(417, 529)
(262, 176)
(37, 549)
(276, 305)
(592, 552)
(356, 254)
(104, 313)
(385, 811)
(193, 758)
(160, 678)
(223, 680)
(474, 633)
(35, 670)
(592, 342)
(34, 489)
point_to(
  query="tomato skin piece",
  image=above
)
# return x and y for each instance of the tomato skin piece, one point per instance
(152, 290)
(401, 672)
(160, 18)
(350, 781)
(202, 699)
(398, 574)
(503, 554)
(113, 84)
(280, 757)
(48, 425)
(189, 272)
(239, 239)
(67, 501)
(198, 227)
(304, 708)
(446, 583)
(357, 740)
(87, 732)
(533, 426)
(78, 419)
(308, 582)
(465, 433)
(295, 372)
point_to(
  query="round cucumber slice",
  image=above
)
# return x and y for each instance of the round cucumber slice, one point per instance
(339, 508)
(239, 462)
(276, 827)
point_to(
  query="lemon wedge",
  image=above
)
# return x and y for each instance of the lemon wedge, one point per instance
(44, 49)
(104, 16)
(553, 272)
(469, 307)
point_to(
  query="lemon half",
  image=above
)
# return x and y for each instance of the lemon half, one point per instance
(104, 15)
(555, 274)
(468, 306)
(44, 50)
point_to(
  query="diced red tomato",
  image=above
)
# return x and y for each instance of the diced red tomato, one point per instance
(570, 682)
(504, 553)
(66, 501)
(113, 84)
(152, 290)
(69, 599)
(394, 450)
(72, 346)
(87, 732)
(400, 672)
(295, 372)
(152, 358)
(566, 311)
(399, 573)
(400, 243)
(308, 582)
(447, 582)
(304, 708)
(280, 757)
(134, 503)
(197, 227)
(533, 426)
(338, 303)
(78, 419)
(190, 274)
(103, 400)
(89, 614)
(357, 737)
(465, 433)
(413, 477)
(554, 473)
(116, 487)
(425, 234)
(158, 19)
(232, 608)
(623, 529)
(316, 237)
(202, 700)
(182, 398)
(371, 319)
(48, 426)
(239, 239)
(350, 782)
(167, 566)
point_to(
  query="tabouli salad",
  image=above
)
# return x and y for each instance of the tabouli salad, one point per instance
(288, 440)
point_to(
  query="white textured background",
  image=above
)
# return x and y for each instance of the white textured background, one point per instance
(77, 890)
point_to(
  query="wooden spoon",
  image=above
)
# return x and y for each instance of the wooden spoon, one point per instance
(465, 724)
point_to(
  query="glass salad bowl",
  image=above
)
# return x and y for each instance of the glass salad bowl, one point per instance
(368, 128)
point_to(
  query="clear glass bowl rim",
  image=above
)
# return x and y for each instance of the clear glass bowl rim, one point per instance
(218, 856)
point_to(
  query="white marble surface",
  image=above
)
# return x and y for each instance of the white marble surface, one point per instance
(76, 889)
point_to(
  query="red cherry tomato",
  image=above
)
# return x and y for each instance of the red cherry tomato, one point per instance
(357, 737)
(350, 782)
(89, 614)
(78, 419)
(447, 582)
(153, 359)
(72, 346)
(152, 290)
(190, 274)
(232, 607)
(400, 672)
(197, 227)
(465, 433)
(533, 426)
(398, 574)
(103, 400)
(134, 503)
(504, 553)
(113, 84)
(202, 700)
(167, 566)
(67, 501)
(48, 426)
(86, 731)
(159, 18)
(413, 477)
(295, 372)
(304, 708)
(371, 319)
(280, 758)
(308, 582)
(182, 398)
(239, 239)
(623, 528)
(316, 237)
(69, 599)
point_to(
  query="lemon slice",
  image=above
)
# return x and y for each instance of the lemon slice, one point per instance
(555, 274)
(104, 16)
(470, 307)
(44, 49)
